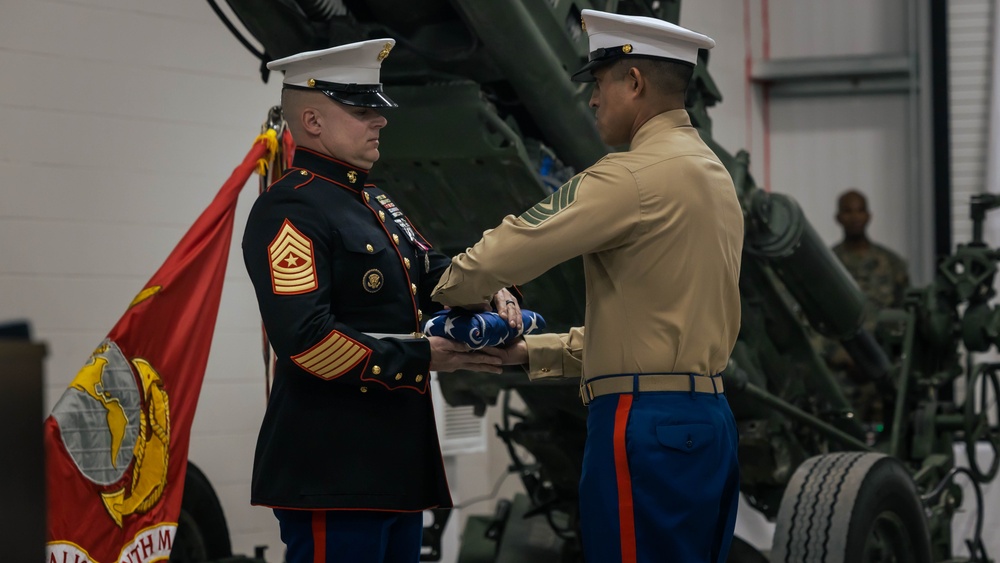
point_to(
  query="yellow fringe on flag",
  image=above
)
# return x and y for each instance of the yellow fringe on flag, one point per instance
(269, 138)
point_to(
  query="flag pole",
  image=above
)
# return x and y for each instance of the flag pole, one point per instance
(275, 132)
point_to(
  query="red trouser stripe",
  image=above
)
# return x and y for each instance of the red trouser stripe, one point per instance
(319, 536)
(626, 518)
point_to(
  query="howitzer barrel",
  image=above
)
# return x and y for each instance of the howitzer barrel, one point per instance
(828, 295)
(527, 57)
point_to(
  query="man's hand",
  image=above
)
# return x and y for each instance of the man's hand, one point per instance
(514, 355)
(508, 309)
(448, 355)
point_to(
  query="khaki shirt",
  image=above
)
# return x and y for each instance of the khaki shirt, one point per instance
(661, 234)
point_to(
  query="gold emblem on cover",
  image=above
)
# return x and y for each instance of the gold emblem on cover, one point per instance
(627, 48)
(372, 281)
(384, 52)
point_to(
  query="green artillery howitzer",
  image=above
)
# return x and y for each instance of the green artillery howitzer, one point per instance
(489, 123)
(804, 455)
(807, 461)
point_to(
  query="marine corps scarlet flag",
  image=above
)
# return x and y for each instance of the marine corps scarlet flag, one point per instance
(116, 443)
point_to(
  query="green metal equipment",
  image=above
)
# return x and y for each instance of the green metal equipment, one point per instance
(489, 123)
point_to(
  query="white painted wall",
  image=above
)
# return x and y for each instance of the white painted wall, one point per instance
(123, 117)
(818, 147)
(971, 51)
(821, 146)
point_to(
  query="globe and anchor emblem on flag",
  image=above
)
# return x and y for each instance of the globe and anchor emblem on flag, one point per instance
(116, 428)
(116, 443)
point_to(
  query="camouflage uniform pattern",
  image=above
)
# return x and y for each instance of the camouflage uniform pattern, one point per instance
(881, 274)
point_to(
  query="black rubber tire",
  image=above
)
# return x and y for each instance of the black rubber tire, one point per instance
(851, 507)
(202, 533)
(742, 552)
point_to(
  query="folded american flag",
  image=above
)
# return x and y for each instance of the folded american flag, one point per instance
(479, 330)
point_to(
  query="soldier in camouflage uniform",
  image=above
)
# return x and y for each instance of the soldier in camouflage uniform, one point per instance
(882, 276)
(880, 272)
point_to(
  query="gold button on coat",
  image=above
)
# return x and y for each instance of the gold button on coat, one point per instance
(367, 197)
(399, 376)
(370, 248)
(413, 288)
(303, 172)
(364, 389)
(406, 261)
(381, 215)
(395, 238)
(376, 370)
(419, 378)
(420, 315)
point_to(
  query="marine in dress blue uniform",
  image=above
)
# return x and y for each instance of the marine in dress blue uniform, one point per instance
(348, 454)
(660, 231)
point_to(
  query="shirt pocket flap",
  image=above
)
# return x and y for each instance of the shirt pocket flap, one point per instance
(360, 244)
(685, 437)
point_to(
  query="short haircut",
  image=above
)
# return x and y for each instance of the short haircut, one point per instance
(293, 101)
(665, 76)
(851, 193)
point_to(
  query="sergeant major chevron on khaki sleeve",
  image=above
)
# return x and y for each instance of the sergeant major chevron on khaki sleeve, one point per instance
(552, 205)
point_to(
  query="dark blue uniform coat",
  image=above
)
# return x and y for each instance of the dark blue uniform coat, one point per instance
(349, 423)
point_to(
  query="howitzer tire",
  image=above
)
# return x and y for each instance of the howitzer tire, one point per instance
(851, 507)
(202, 532)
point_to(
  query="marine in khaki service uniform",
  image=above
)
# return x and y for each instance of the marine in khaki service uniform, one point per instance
(347, 455)
(660, 231)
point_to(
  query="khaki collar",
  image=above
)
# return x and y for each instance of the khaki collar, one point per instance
(659, 123)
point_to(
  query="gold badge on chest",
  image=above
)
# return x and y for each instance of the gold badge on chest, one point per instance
(372, 281)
